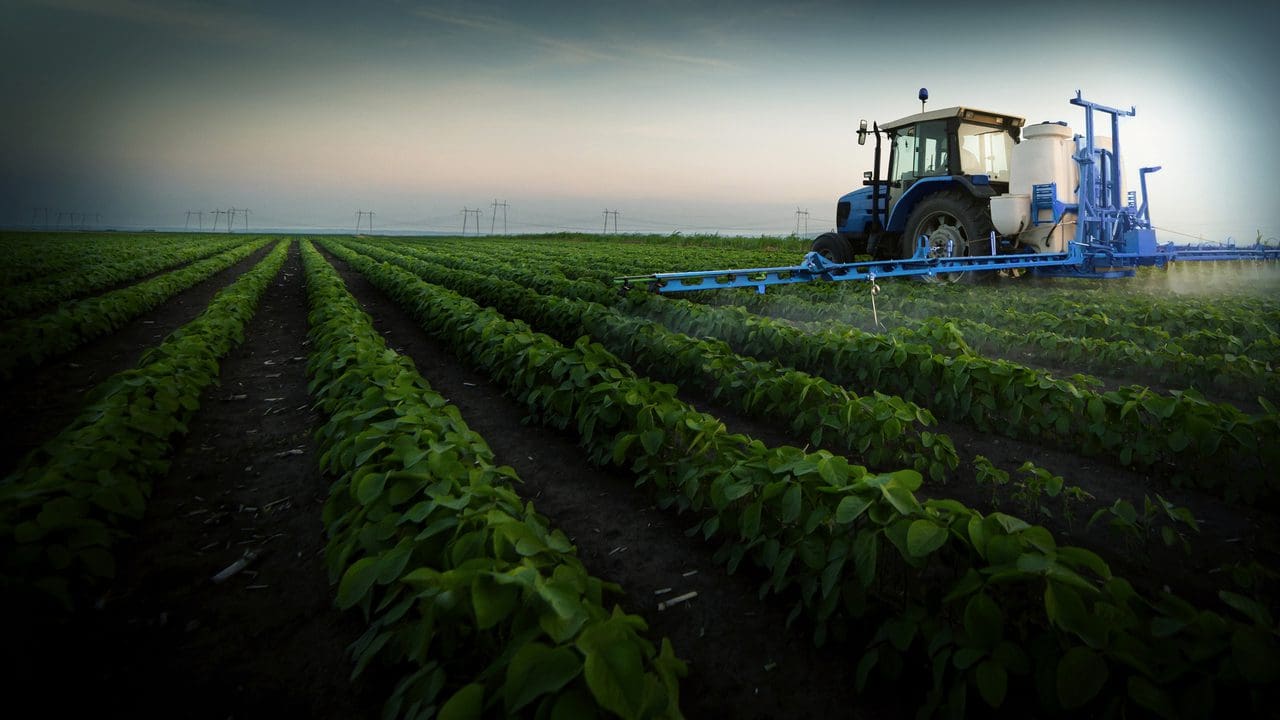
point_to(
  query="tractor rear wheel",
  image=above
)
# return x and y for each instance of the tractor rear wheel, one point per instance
(834, 247)
(955, 225)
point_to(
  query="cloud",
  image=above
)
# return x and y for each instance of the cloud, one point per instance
(191, 17)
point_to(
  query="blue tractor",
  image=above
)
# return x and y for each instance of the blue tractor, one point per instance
(944, 167)
(975, 194)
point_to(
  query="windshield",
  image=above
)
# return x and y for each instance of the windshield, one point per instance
(985, 151)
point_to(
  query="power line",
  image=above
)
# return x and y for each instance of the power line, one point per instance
(494, 221)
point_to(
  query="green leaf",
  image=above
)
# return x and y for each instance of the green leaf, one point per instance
(614, 668)
(983, 621)
(356, 581)
(791, 504)
(1251, 608)
(925, 536)
(491, 600)
(1081, 675)
(751, 521)
(850, 508)
(864, 556)
(370, 487)
(466, 704)
(536, 670)
(652, 440)
(901, 499)
(993, 682)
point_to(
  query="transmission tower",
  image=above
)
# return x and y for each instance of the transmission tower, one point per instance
(246, 212)
(216, 214)
(360, 215)
(231, 218)
(606, 214)
(494, 221)
(805, 214)
(467, 213)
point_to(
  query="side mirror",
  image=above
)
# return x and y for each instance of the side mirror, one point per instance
(862, 132)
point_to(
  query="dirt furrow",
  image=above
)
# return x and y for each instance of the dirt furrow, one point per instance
(744, 662)
(268, 641)
(41, 401)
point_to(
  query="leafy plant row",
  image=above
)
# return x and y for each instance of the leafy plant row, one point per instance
(1181, 434)
(884, 431)
(465, 587)
(70, 502)
(31, 341)
(987, 606)
(111, 270)
(1206, 329)
(45, 255)
(1091, 338)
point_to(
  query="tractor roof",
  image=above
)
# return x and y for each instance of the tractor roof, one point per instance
(982, 117)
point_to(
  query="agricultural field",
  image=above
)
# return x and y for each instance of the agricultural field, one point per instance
(340, 477)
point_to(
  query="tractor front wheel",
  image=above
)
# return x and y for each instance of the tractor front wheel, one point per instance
(954, 225)
(834, 247)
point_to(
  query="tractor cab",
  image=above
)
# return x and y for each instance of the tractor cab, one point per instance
(951, 142)
(943, 167)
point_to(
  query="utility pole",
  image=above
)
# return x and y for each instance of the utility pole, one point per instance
(805, 213)
(606, 214)
(494, 221)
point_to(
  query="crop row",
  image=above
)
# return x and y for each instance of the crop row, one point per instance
(31, 256)
(111, 270)
(465, 587)
(70, 502)
(884, 431)
(974, 600)
(1106, 345)
(1181, 435)
(1106, 314)
(30, 341)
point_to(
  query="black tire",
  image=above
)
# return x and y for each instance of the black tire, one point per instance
(950, 219)
(834, 247)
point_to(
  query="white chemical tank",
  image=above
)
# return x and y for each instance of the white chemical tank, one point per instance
(1043, 156)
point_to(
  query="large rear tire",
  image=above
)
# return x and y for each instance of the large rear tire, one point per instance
(956, 225)
(834, 247)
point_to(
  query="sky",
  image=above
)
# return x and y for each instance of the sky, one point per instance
(682, 116)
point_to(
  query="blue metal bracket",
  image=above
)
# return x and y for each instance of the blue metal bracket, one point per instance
(1045, 197)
